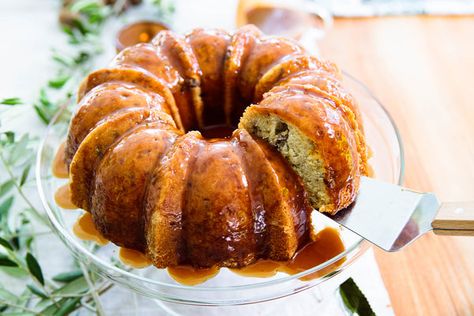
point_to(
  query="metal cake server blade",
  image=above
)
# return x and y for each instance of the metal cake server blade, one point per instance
(391, 216)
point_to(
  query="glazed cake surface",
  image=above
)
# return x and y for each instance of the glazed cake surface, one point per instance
(290, 141)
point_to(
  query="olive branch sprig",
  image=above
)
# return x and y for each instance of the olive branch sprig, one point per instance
(34, 292)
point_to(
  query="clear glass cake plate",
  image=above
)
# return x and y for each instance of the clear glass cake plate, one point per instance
(227, 288)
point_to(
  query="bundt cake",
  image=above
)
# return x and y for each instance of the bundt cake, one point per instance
(138, 160)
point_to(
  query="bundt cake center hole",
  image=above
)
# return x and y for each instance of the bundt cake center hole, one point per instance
(217, 131)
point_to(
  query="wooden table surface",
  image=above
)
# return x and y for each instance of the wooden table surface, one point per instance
(422, 70)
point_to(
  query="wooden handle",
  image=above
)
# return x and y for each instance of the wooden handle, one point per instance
(455, 219)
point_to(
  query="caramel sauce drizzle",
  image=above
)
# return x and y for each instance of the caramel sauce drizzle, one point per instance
(133, 258)
(84, 228)
(326, 244)
(62, 197)
(59, 167)
(188, 275)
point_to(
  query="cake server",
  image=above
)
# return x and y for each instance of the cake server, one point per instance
(391, 216)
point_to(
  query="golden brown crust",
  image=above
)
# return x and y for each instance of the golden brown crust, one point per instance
(93, 147)
(293, 68)
(218, 223)
(210, 47)
(164, 204)
(102, 101)
(180, 56)
(135, 76)
(241, 43)
(121, 179)
(183, 199)
(331, 88)
(277, 197)
(145, 57)
(319, 120)
(263, 55)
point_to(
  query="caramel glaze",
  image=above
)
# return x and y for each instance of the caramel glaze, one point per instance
(133, 258)
(105, 99)
(238, 51)
(59, 168)
(94, 147)
(264, 54)
(317, 117)
(84, 228)
(188, 275)
(121, 220)
(325, 245)
(62, 197)
(163, 67)
(224, 201)
(180, 57)
(210, 48)
(191, 200)
(326, 83)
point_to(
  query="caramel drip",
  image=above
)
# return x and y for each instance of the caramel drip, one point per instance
(84, 228)
(326, 245)
(260, 269)
(62, 197)
(188, 275)
(133, 258)
(59, 167)
(370, 171)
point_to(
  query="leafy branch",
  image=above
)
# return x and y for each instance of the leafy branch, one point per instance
(21, 223)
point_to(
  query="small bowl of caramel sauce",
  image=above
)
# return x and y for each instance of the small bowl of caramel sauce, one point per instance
(138, 32)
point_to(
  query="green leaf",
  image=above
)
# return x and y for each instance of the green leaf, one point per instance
(15, 272)
(354, 299)
(85, 5)
(36, 291)
(6, 186)
(43, 98)
(6, 206)
(42, 114)
(5, 244)
(21, 151)
(24, 175)
(34, 267)
(7, 295)
(8, 139)
(63, 60)
(59, 82)
(67, 29)
(81, 27)
(11, 101)
(67, 276)
(82, 57)
(7, 262)
(15, 241)
(77, 286)
(68, 306)
(52, 308)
